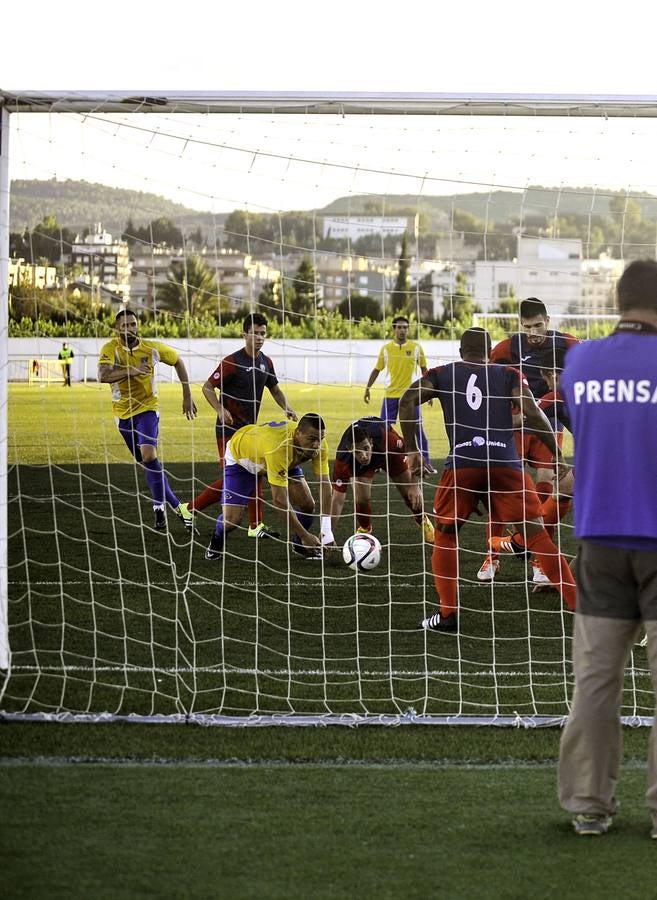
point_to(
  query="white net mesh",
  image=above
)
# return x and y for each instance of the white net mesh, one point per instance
(108, 615)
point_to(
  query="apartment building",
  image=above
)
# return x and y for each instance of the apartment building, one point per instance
(240, 278)
(104, 262)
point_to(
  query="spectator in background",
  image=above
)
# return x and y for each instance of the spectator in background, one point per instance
(610, 390)
(65, 356)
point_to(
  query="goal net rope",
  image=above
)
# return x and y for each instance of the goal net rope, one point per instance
(328, 216)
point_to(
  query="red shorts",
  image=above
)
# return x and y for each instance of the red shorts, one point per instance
(532, 450)
(508, 493)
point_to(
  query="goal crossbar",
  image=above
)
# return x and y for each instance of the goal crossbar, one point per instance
(331, 103)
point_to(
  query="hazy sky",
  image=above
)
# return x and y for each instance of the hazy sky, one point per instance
(221, 162)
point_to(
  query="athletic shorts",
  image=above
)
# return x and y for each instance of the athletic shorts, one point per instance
(509, 494)
(239, 485)
(616, 583)
(140, 429)
(533, 451)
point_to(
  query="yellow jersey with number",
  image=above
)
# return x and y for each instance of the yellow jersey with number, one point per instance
(136, 394)
(270, 448)
(401, 361)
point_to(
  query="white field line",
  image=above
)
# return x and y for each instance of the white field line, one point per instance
(342, 763)
(292, 673)
(250, 583)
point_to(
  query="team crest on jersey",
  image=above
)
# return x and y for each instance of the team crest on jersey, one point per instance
(262, 367)
(408, 353)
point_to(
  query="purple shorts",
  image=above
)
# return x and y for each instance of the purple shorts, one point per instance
(140, 429)
(240, 485)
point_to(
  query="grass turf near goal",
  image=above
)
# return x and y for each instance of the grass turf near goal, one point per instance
(327, 831)
(109, 616)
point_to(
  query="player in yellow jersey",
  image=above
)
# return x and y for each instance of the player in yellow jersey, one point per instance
(277, 449)
(401, 358)
(128, 362)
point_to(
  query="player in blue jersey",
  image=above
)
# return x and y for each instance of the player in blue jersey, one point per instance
(368, 446)
(477, 400)
(234, 391)
(610, 388)
(526, 350)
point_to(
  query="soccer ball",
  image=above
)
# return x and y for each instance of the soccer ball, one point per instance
(362, 552)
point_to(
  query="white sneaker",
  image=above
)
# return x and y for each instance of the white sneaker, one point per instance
(489, 569)
(539, 575)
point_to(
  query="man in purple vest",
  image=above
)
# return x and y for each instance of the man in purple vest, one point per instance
(610, 389)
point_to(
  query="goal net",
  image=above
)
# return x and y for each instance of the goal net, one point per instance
(329, 216)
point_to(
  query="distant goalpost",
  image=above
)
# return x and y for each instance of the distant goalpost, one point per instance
(102, 618)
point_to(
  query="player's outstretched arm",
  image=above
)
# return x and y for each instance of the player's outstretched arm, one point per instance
(210, 393)
(281, 399)
(374, 374)
(409, 490)
(328, 527)
(421, 391)
(188, 405)
(280, 499)
(537, 422)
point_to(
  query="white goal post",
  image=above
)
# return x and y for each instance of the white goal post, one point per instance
(295, 204)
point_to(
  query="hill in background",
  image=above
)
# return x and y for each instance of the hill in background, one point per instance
(79, 204)
(497, 206)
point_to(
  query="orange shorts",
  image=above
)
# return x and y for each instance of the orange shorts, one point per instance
(533, 451)
(508, 493)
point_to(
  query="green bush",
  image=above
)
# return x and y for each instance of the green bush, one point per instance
(328, 326)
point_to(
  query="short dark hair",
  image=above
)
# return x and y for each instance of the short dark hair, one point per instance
(637, 286)
(252, 320)
(531, 307)
(400, 319)
(553, 360)
(356, 434)
(311, 420)
(475, 342)
(124, 312)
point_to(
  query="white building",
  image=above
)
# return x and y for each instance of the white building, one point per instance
(547, 268)
(442, 285)
(240, 278)
(22, 273)
(599, 277)
(354, 227)
(104, 262)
